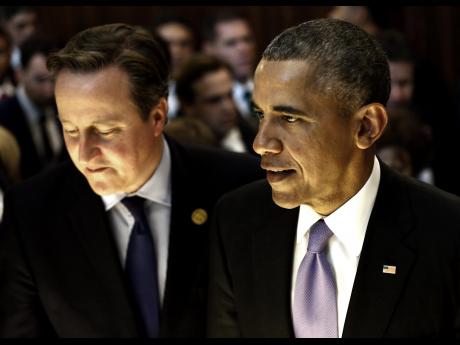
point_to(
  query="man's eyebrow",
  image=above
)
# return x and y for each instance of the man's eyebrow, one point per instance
(289, 110)
(108, 122)
(282, 109)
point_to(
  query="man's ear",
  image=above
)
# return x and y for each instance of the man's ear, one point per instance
(159, 116)
(372, 120)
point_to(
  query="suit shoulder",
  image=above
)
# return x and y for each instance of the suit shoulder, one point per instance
(428, 194)
(216, 166)
(220, 157)
(427, 199)
(44, 186)
(253, 195)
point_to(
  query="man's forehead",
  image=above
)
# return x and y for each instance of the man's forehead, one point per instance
(284, 71)
(231, 27)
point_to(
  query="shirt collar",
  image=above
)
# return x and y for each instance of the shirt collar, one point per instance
(349, 221)
(241, 88)
(156, 189)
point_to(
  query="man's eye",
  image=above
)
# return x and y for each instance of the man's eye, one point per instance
(290, 119)
(258, 113)
(107, 132)
(71, 132)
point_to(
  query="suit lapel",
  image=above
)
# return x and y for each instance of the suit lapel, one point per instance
(187, 245)
(89, 221)
(273, 255)
(375, 293)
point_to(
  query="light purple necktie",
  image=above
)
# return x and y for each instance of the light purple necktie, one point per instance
(315, 301)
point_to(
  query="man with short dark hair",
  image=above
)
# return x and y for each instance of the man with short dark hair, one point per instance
(228, 35)
(179, 36)
(204, 88)
(115, 244)
(334, 243)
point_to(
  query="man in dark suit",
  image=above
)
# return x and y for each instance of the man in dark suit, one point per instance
(78, 256)
(30, 113)
(334, 243)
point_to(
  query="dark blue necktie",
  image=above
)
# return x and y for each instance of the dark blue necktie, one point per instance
(141, 267)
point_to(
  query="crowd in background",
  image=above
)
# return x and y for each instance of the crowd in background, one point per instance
(211, 71)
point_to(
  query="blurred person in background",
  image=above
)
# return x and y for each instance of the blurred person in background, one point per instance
(31, 114)
(418, 86)
(228, 35)
(204, 88)
(366, 17)
(180, 39)
(21, 22)
(406, 145)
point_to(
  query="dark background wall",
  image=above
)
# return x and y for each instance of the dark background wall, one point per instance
(432, 31)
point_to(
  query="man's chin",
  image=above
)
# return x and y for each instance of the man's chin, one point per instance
(101, 188)
(284, 200)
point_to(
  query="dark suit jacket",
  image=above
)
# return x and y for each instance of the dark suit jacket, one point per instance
(13, 118)
(413, 226)
(60, 273)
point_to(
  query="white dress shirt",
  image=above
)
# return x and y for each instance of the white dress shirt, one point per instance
(233, 141)
(348, 224)
(241, 103)
(32, 116)
(157, 192)
(173, 101)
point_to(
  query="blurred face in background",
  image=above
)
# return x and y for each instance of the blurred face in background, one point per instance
(235, 44)
(213, 102)
(402, 84)
(22, 26)
(37, 81)
(180, 41)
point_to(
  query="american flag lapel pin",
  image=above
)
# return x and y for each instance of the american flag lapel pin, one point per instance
(388, 269)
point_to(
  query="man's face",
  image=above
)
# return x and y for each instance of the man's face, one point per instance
(235, 44)
(402, 84)
(108, 141)
(213, 102)
(22, 26)
(180, 43)
(37, 80)
(305, 143)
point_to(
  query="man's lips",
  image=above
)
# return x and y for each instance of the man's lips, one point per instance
(95, 170)
(276, 173)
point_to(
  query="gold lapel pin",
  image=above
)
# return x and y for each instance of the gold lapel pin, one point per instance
(389, 269)
(199, 216)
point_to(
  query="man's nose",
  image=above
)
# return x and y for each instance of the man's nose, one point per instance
(266, 140)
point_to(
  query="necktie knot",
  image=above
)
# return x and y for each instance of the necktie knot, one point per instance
(319, 235)
(135, 205)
